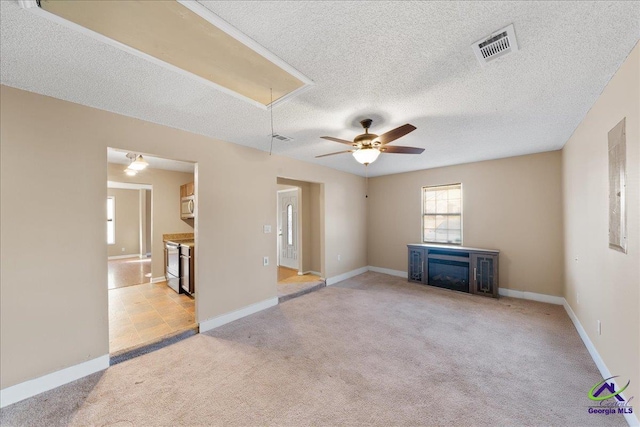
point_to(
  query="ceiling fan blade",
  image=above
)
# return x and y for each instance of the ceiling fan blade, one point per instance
(397, 149)
(394, 134)
(339, 152)
(342, 141)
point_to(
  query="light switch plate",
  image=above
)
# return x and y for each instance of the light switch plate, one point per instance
(266, 229)
(265, 261)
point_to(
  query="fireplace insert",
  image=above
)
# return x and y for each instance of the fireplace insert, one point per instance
(449, 274)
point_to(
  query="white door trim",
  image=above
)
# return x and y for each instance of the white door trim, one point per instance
(298, 226)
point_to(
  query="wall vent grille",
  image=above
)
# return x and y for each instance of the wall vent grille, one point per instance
(499, 43)
(282, 137)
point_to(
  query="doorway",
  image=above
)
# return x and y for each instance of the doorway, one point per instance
(142, 212)
(128, 234)
(288, 232)
(300, 225)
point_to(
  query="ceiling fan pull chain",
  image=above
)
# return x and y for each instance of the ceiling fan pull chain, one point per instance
(271, 110)
(366, 181)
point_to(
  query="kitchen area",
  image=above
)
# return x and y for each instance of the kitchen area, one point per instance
(179, 248)
(162, 308)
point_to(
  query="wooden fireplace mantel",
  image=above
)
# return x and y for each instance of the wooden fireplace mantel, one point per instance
(465, 269)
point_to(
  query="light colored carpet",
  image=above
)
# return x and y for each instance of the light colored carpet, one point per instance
(372, 350)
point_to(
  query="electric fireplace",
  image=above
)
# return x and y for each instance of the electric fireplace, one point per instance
(449, 274)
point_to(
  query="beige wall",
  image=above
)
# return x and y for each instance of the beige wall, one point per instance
(513, 205)
(235, 189)
(165, 200)
(127, 220)
(606, 281)
(148, 220)
(144, 199)
(314, 251)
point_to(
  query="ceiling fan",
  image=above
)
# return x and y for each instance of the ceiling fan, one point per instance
(368, 146)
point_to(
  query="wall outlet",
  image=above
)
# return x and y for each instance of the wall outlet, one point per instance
(122, 249)
(578, 297)
(339, 257)
(265, 261)
(266, 229)
(599, 328)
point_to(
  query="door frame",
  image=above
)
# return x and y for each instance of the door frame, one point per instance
(279, 219)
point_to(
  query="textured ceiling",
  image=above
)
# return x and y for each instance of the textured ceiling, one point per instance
(397, 63)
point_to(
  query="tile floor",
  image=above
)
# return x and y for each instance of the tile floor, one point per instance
(145, 313)
(291, 285)
(128, 271)
(289, 275)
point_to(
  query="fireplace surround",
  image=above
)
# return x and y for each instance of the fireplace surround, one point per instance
(458, 268)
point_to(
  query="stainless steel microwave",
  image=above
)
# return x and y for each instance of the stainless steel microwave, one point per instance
(187, 207)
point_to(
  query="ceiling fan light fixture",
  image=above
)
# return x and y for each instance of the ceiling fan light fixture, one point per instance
(139, 164)
(366, 155)
(136, 164)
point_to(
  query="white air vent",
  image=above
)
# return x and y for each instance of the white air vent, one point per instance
(282, 137)
(498, 44)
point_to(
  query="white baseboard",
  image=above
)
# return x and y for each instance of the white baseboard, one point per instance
(308, 272)
(158, 279)
(223, 319)
(50, 381)
(551, 299)
(344, 276)
(389, 271)
(632, 420)
(125, 256)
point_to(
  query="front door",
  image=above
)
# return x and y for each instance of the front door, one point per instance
(288, 228)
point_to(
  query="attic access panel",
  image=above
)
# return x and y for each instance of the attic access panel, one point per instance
(186, 35)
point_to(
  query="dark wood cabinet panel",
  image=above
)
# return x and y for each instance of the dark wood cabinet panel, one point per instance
(459, 268)
(416, 264)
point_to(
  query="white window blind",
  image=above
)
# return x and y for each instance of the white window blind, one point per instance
(442, 214)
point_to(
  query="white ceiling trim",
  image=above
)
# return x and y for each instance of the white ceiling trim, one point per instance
(128, 185)
(209, 16)
(220, 23)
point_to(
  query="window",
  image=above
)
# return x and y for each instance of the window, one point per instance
(111, 220)
(442, 214)
(289, 225)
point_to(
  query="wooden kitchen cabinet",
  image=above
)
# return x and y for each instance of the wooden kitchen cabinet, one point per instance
(187, 200)
(188, 189)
